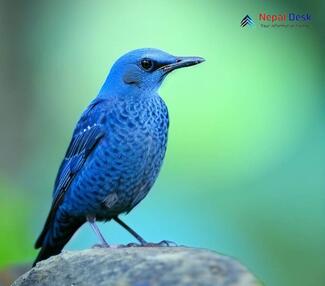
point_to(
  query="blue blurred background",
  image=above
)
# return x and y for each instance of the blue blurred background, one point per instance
(244, 172)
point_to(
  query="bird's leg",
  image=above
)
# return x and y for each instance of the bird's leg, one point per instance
(143, 243)
(131, 231)
(92, 222)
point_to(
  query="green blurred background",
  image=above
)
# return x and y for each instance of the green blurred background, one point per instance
(244, 172)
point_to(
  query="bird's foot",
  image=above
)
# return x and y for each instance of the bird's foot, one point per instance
(163, 243)
(103, 245)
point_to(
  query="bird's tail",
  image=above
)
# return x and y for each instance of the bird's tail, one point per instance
(55, 235)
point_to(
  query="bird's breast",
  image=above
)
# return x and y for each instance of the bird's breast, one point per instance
(137, 132)
(136, 139)
(132, 153)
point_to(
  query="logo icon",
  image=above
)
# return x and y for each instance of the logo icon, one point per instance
(246, 21)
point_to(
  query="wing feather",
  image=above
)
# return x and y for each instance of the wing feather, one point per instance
(83, 142)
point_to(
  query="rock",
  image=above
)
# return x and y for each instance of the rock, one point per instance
(139, 266)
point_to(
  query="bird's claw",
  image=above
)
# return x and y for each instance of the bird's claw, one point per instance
(104, 245)
(167, 243)
(133, 244)
(163, 243)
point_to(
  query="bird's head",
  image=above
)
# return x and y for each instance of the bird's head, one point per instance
(143, 70)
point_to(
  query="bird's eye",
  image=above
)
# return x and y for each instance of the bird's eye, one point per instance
(147, 64)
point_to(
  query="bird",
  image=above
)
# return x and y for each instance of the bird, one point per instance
(116, 150)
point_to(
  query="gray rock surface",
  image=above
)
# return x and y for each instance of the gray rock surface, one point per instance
(138, 266)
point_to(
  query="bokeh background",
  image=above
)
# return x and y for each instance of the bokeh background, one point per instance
(245, 167)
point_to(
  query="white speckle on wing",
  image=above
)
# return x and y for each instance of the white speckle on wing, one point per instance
(89, 127)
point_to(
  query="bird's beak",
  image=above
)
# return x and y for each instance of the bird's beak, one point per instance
(182, 62)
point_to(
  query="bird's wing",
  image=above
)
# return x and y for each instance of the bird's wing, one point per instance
(81, 145)
(86, 136)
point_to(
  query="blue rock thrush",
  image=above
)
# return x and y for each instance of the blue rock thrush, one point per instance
(116, 150)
